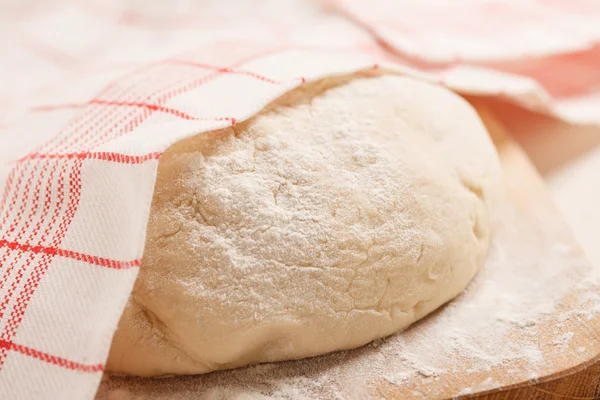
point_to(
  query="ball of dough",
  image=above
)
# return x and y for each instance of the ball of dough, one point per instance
(342, 213)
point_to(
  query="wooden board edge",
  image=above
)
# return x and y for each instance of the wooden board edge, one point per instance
(581, 382)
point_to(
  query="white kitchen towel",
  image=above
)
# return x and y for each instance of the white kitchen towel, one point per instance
(540, 54)
(91, 94)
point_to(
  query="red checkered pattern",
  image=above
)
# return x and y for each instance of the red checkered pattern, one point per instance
(93, 93)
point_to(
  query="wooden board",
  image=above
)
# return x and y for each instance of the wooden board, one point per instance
(569, 370)
(583, 381)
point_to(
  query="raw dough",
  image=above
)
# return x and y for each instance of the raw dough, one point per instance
(343, 212)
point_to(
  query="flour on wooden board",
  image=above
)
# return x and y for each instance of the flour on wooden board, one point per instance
(496, 323)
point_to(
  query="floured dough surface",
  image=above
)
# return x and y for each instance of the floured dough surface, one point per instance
(343, 212)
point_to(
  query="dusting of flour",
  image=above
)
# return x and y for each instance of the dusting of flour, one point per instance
(517, 298)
